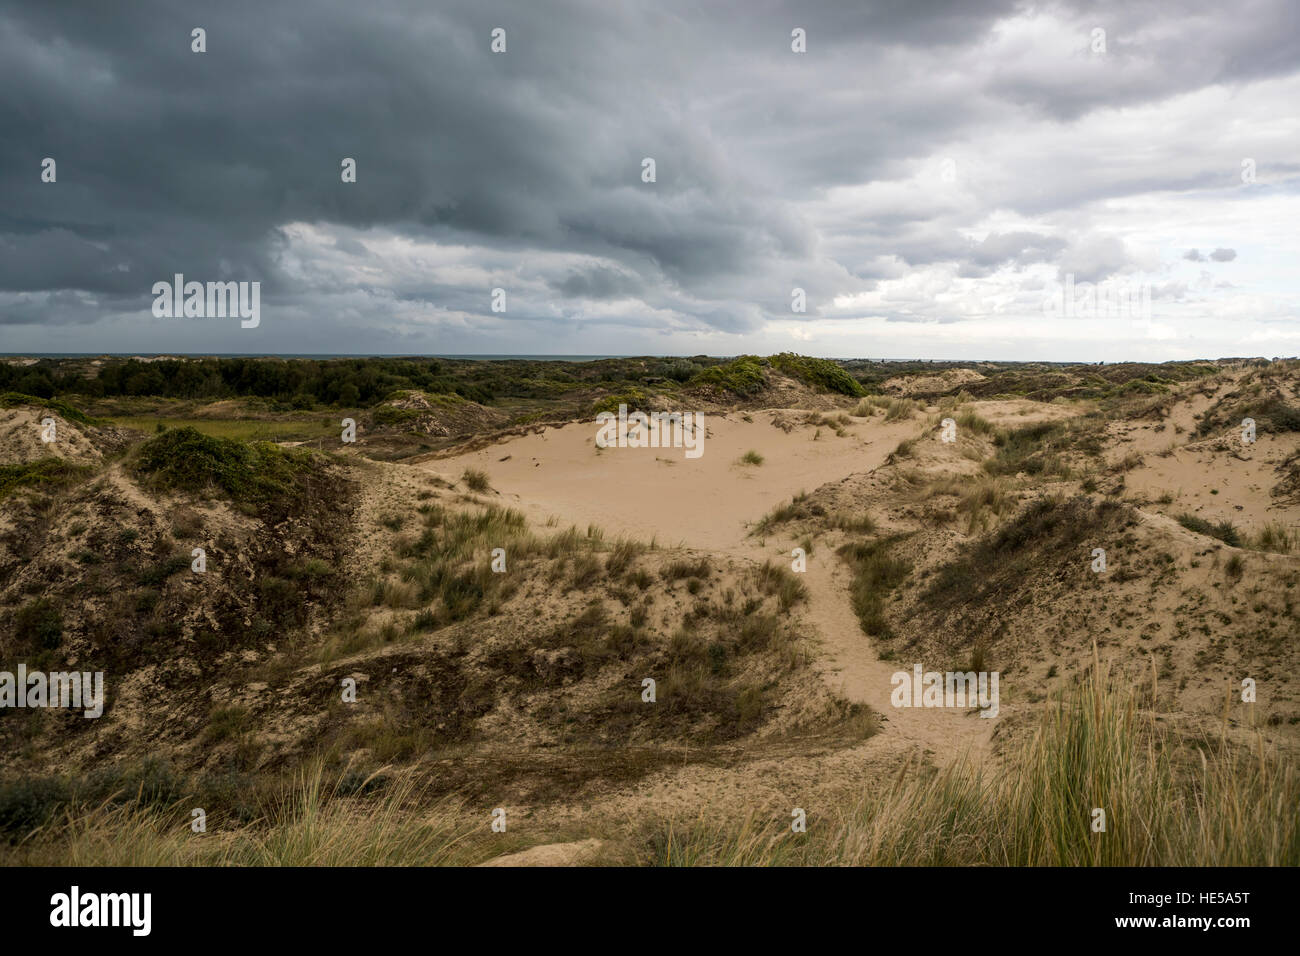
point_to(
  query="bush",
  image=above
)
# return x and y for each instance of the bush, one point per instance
(743, 376)
(42, 472)
(819, 373)
(256, 472)
(41, 622)
(30, 802)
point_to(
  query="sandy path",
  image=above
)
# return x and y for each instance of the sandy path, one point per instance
(852, 667)
(707, 504)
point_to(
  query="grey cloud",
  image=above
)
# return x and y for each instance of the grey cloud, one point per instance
(1019, 248)
(598, 282)
(1218, 255)
(171, 161)
(1094, 258)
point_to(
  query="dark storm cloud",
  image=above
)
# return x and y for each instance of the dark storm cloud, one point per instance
(171, 161)
(598, 282)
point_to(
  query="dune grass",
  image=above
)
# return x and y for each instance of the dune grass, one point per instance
(312, 823)
(895, 409)
(42, 473)
(1275, 537)
(1168, 801)
(476, 480)
(1225, 531)
(875, 573)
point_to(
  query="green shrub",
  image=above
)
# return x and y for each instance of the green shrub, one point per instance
(63, 409)
(635, 400)
(253, 472)
(743, 376)
(819, 373)
(43, 472)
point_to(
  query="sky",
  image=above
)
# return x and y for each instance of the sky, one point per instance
(976, 179)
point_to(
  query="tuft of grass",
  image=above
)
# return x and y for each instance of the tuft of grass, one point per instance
(476, 480)
(40, 622)
(1030, 449)
(1045, 531)
(1225, 531)
(969, 422)
(855, 524)
(906, 448)
(1275, 537)
(778, 580)
(798, 507)
(687, 569)
(751, 457)
(900, 409)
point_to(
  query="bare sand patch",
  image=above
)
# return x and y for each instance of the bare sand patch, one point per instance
(659, 493)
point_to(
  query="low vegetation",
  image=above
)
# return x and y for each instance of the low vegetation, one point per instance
(258, 473)
(876, 572)
(1168, 802)
(1225, 531)
(46, 473)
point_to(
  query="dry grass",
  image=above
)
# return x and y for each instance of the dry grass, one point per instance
(1167, 801)
(895, 409)
(476, 480)
(312, 824)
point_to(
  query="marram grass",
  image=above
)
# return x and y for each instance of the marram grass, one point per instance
(1167, 801)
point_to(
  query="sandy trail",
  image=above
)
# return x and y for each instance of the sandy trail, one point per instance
(852, 667)
(707, 504)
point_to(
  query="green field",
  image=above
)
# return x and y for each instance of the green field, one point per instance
(242, 429)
